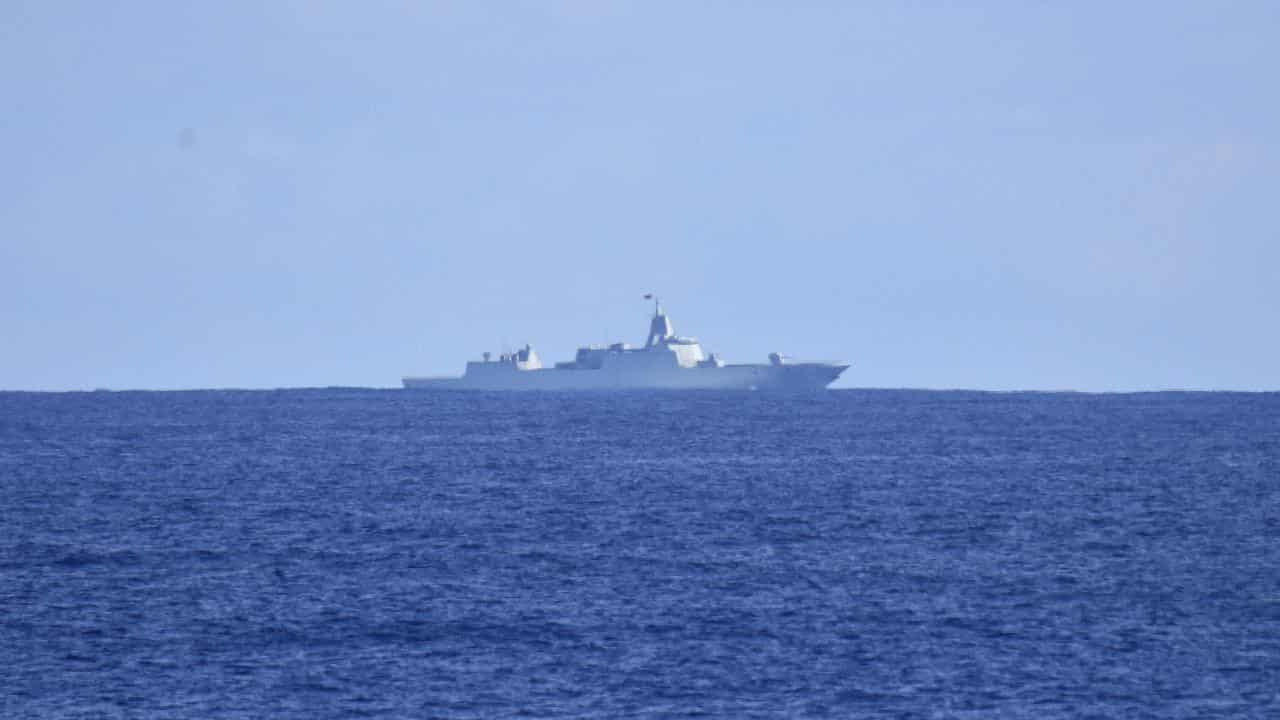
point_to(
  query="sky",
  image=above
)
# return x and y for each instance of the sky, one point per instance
(999, 195)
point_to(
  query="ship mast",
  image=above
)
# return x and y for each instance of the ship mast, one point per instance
(659, 327)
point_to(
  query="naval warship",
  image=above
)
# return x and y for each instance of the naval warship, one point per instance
(667, 361)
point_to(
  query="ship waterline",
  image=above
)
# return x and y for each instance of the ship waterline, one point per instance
(667, 361)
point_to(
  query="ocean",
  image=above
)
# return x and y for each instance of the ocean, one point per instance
(352, 553)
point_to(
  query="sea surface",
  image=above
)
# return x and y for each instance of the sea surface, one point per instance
(844, 554)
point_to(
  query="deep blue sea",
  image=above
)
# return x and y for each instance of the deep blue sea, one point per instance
(845, 554)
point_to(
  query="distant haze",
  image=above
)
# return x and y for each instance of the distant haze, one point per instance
(1001, 195)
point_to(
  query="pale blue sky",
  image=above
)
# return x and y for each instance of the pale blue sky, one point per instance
(986, 195)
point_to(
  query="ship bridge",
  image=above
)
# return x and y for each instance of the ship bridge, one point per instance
(662, 349)
(662, 336)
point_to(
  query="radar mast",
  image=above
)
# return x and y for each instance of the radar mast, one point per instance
(660, 328)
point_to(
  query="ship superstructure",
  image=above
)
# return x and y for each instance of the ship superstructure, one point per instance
(666, 360)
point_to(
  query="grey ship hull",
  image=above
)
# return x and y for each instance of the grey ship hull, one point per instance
(791, 377)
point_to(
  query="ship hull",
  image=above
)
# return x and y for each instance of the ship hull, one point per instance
(791, 377)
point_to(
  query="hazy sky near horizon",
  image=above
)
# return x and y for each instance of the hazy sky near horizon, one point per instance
(1002, 195)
